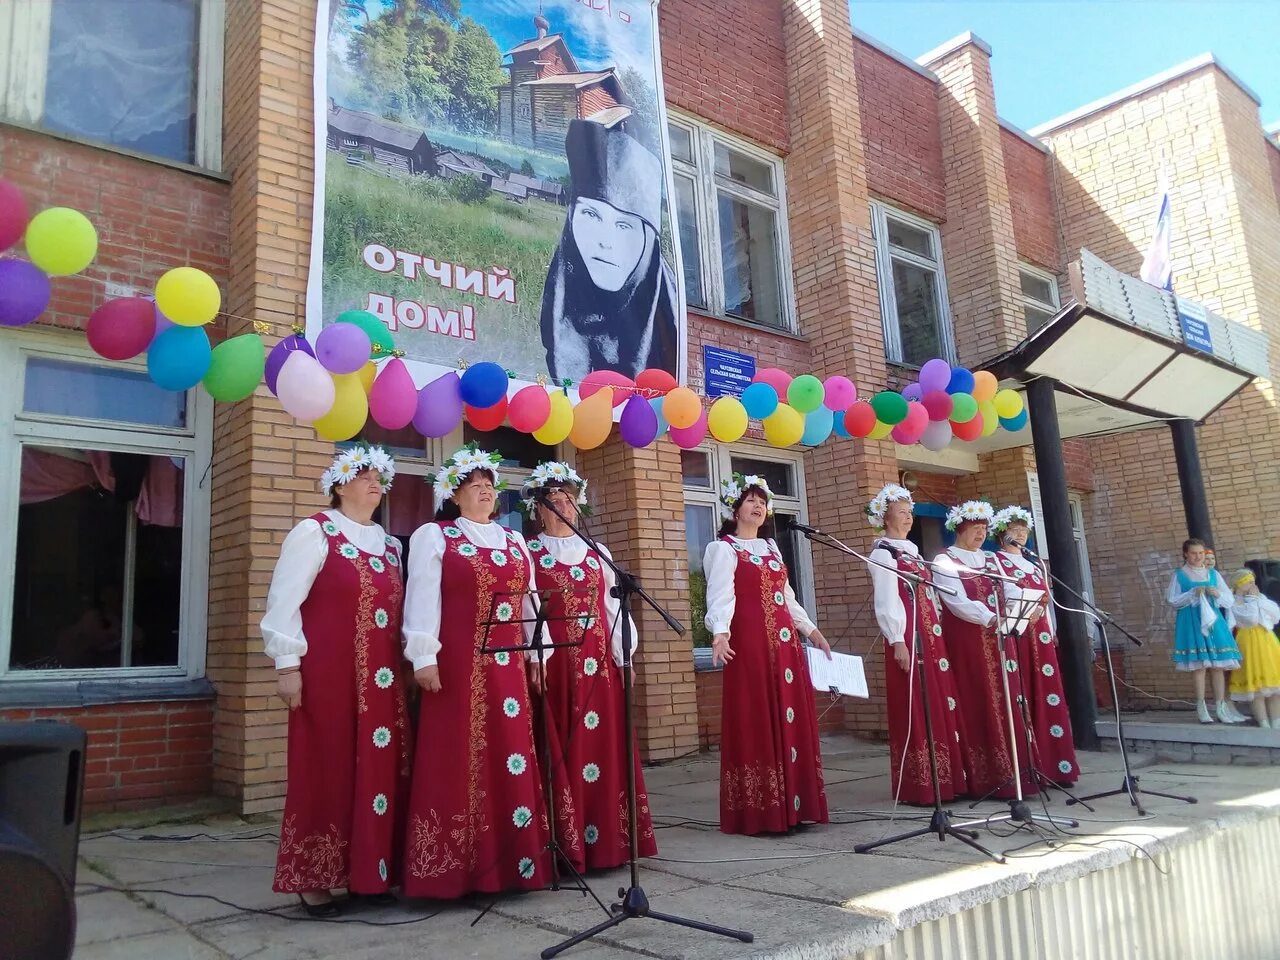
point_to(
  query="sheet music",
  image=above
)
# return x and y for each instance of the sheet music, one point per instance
(1018, 612)
(843, 671)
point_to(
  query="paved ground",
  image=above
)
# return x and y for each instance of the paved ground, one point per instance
(804, 896)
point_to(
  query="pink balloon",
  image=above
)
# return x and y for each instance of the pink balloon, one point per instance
(529, 408)
(910, 430)
(394, 398)
(689, 437)
(343, 348)
(839, 393)
(938, 404)
(778, 379)
(14, 214)
(304, 387)
(623, 386)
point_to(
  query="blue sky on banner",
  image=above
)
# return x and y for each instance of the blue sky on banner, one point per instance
(1051, 57)
(593, 36)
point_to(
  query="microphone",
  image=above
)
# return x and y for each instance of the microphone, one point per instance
(805, 528)
(1029, 552)
(883, 545)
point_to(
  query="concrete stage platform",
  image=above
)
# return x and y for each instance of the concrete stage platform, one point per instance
(1177, 736)
(1176, 885)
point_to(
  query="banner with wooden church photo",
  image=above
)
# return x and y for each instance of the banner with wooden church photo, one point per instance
(493, 182)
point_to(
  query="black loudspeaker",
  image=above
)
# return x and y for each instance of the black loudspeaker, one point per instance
(41, 783)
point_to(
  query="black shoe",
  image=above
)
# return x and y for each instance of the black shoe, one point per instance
(321, 911)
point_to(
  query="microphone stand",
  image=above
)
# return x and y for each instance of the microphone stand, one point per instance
(940, 823)
(1130, 785)
(633, 902)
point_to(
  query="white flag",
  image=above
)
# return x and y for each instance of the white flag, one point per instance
(1157, 266)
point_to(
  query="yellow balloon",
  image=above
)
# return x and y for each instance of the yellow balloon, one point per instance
(188, 296)
(784, 427)
(1008, 403)
(727, 419)
(367, 373)
(681, 407)
(61, 241)
(990, 419)
(984, 386)
(880, 431)
(559, 421)
(592, 420)
(349, 411)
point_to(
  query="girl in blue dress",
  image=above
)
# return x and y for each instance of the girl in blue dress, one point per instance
(1202, 641)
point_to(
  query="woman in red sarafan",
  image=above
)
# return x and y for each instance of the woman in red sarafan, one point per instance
(904, 612)
(969, 620)
(584, 681)
(332, 626)
(770, 757)
(477, 819)
(1055, 752)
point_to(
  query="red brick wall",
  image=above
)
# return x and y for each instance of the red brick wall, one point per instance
(149, 217)
(1079, 462)
(900, 132)
(1273, 156)
(769, 349)
(725, 62)
(1035, 226)
(140, 754)
(936, 488)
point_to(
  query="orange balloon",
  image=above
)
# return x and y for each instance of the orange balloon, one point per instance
(681, 407)
(984, 386)
(592, 420)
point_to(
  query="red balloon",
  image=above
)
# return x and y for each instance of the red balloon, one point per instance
(658, 380)
(968, 431)
(121, 329)
(529, 408)
(860, 419)
(623, 386)
(14, 214)
(486, 418)
(938, 404)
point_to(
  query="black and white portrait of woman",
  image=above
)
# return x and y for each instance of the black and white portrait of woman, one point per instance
(609, 302)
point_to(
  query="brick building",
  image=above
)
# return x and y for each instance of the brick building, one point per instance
(890, 215)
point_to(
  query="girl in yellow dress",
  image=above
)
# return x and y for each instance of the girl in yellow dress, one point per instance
(1257, 681)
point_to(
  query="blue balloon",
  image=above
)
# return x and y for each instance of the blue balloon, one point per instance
(1014, 424)
(817, 426)
(179, 358)
(656, 403)
(838, 427)
(760, 400)
(961, 381)
(483, 385)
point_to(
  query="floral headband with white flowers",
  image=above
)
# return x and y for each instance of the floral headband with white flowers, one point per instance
(351, 462)
(551, 474)
(733, 489)
(879, 504)
(1009, 515)
(978, 510)
(456, 468)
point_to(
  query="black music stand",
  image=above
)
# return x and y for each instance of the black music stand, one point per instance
(539, 645)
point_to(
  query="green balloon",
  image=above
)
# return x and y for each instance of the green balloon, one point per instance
(890, 407)
(963, 407)
(379, 336)
(805, 393)
(235, 368)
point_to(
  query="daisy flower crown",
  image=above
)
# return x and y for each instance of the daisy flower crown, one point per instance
(879, 505)
(545, 475)
(351, 461)
(1014, 514)
(732, 490)
(969, 510)
(454, 470)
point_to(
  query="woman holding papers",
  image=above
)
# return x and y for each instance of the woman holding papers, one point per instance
(770, 758)
(970, 620)
(1202, 641)
(905, 613)
(1037, 651)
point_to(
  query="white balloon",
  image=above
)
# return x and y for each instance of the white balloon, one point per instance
(305, 389)
(936, 436)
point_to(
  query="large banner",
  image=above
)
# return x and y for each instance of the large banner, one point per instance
(493, 183)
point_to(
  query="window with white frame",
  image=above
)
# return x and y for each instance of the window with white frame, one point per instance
(1039, 296)
(703, 470)
(142, 75)
(731, 213)
(104, 517)
(913, 287)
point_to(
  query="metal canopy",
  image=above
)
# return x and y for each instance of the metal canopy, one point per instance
(1126, 355)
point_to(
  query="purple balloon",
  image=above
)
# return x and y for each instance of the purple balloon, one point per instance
(24, 292)
(913, 392)
(639, 423)
(278, 355)
(935, 375)
(163, 323)
(343, 348)
(439, 404)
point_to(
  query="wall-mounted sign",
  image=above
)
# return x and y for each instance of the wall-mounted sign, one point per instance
(726, 373)
(1195, 325)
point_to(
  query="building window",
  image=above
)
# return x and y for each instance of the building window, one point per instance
(142, 75)
(731, 214)
(913, 287)
(703, 471)
(104, 518)
(1039, 296)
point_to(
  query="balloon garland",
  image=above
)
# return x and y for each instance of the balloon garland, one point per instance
(336, 385)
